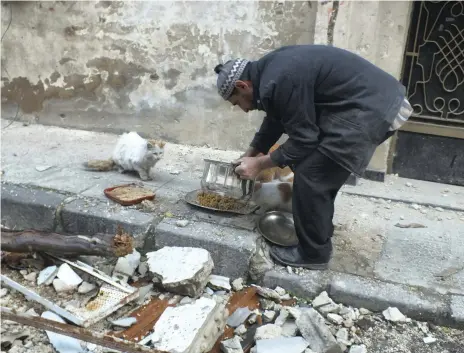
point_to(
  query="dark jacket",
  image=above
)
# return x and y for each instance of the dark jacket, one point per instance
(323, 98)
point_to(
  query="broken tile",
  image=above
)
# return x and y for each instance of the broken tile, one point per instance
(267, 332)
(47, 275)
(313, 328)
(282, 344)
(219, 282)
(62, 344)
(181, 270)
(124, 322)
(128, 264)
(231, 345)
(86, 287)
(237, 284)
(238, 317)
(68, 276)
(191, 326)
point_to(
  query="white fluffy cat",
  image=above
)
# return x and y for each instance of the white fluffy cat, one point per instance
(132, 153)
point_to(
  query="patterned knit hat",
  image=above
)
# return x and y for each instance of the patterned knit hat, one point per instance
(228, 74)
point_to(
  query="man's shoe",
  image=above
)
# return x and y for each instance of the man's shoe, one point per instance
(295, 257)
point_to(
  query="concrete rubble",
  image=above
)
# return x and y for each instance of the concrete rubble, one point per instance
(219, 283)
(181, 270)
(231, 345)
(47, 275)
(127, 265)
(282, 344)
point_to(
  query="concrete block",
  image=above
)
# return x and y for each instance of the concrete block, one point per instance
(457, 310)
(90, 216)
(230, 248)
(378, 296)
(25, 207)
(190, 328)
(307, 286)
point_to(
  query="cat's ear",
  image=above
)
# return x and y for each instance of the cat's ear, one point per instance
(150, 145)
(161, 144)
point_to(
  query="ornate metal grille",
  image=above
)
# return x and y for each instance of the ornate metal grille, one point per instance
(434, 62)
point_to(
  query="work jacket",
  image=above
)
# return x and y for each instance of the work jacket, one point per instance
(323, 98)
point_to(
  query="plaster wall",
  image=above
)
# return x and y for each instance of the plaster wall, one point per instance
(144, 66)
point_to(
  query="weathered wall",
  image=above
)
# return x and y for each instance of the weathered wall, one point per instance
(145, 66)
(376, 30)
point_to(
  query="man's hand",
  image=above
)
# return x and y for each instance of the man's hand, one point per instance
(250, 167)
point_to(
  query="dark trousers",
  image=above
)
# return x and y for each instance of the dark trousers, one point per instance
(317, 180)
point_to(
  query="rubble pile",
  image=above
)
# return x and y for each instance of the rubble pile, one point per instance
(181, 307)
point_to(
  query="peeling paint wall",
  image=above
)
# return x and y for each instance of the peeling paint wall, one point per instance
(144, 66)
(376, 30)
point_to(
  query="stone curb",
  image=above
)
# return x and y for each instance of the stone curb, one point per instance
(416, 303)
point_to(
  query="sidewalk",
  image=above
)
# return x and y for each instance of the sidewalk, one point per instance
(376, 264)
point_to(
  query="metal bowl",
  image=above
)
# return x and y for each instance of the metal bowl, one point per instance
(278, 228)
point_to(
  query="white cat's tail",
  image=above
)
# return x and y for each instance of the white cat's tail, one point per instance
(99, 165)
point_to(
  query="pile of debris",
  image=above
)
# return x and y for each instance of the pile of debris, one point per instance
(173, 303)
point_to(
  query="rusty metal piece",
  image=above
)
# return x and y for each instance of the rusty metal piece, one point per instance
(76, 332)
(147, 316)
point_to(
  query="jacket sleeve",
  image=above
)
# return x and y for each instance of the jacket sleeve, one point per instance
(268, 134)
(292, 102)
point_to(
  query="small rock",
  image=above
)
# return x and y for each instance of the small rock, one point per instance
(31, 277)
(268, 315)
(321, 300)
(423, 211)
(209, 291)
(86, 287)
(348, 323)
(364, 311)
(31, 312)
(358, 349)
(294, 312)
(125, 322)
(423, 327)
(231, 345)
(241, 330)
(3, 292)
(61, 286)
(408, 185)
(429, 339)
(335, 319)
(342, 334)
(280, 291)
(286, 296)
(128, 264)
(290, 329)
(219, 282)
(186, 300)
(267, 304)
(47, 275)
(143, 269)
(66, 275)
(267, 293)
(182, 223)
(268, 331)
(415, 206)
(181, 270)
(237, 284)
(394, 315)
(42, 168)
(282, 318)
(289, 270)
(439, 209)
(238, 317)
(252, 319)
(348, 313)
(23, 272)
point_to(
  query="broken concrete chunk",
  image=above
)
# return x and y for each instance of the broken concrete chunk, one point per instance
(231, 345)
(128, 264)
(86, 287)
(321, 300)
(252, 319)
(209, 291)
(267, 304)
(294, 312)
(267, 293)
(142, 269)
(358, 349)
(281, 345)
(267, 332)
(181, 270)
(394, 315)
(342, 334)
(219, 283)
(282, 318)
(237, 284)
(31, 312)
(268, 315)
(61, 286)
(47, 275)
(429, 339)
(313, 328)
(280, 291)
(182, 223)
(191, 327)
(285, 297)
(335, 319)
(364, 311)
(241, 330)
(238, 317)
(290, 329)
(31, 277)
(3, 292)
(61, 343)
(185, 300)
(68, 276)
(124, 322)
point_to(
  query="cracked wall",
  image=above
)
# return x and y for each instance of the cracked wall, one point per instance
(144, 66)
